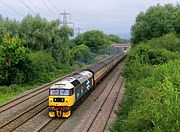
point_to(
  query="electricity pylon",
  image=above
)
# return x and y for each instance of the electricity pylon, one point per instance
(64, 20)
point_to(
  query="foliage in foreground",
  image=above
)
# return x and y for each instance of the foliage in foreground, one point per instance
(152, 99)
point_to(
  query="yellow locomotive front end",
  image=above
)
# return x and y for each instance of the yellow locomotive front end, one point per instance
(61, 100)
(65, 94)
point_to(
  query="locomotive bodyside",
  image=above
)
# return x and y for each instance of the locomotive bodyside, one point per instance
(85, 85)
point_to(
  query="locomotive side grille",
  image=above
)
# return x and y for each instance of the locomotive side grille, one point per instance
(75, 83)
(58, 99)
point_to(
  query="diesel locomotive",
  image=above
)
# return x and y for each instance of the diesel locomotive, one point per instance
(66, 94)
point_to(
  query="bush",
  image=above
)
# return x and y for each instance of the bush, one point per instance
(42, 66)
(152, 97)
(81, 53)
(13, 61)
(157, 100)
(169, 42)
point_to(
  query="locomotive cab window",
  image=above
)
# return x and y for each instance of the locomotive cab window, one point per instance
(66, 92)
(62, 92)
(54, 92)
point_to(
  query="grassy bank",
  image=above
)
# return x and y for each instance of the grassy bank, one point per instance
(9, 92)
(152, 98)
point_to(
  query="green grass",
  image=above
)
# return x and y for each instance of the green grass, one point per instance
(9, 92)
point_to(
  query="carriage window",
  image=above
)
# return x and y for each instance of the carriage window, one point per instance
(64, 92)
(54, 92)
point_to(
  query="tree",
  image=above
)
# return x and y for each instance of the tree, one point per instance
(8, 26)
(155, 22)
(12, 61)
(177, 21)
(81, 53)
(116, 39)
(61, 45)
(42, 66)
(94, 39)
(38, 34)
(35, 32)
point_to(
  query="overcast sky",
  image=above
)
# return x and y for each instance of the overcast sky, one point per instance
(110, 16)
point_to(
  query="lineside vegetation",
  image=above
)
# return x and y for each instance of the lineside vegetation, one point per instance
(152, 98)
(152, 73)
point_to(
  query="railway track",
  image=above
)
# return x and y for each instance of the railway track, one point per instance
(111, 110)
(93, 126)
(94, 119)
(29, 95)
(23, 98)
(52, 125)
(23, 117)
